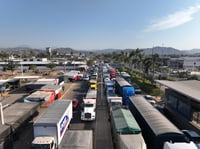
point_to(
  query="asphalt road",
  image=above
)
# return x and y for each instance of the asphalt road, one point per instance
(101, 126)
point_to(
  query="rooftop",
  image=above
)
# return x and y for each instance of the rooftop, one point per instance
(189, 88)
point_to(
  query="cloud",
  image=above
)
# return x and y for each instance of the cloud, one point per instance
(173, 20)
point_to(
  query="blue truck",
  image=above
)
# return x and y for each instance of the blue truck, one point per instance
(124, 89)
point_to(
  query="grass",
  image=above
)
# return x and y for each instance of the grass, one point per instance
(143, 82)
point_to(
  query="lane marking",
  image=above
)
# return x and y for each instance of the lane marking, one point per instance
(68, 89)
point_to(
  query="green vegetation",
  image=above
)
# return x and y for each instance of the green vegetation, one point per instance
(11, 66)
(51, 65)
(140, 78)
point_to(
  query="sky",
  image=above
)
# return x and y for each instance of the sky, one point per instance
(100, 24)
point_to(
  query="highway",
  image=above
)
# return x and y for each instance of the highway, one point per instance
(101, 126)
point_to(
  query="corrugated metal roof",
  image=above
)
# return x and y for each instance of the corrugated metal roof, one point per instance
(188, 88)
(54, 113)
(125, 122)
(156, 121)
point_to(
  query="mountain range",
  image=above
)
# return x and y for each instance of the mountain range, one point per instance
(147, 51)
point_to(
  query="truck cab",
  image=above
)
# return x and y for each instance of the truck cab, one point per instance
(88, 110)
(93, 84)
(44, 143)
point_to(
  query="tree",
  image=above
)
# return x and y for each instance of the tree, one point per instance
(90, 62)
(51, 65)
(32, 67)
(11, 66)
(136, 57)
(147, 64)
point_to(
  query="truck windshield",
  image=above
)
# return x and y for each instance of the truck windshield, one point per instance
(88, 105)
(41, 146)
(116, 103)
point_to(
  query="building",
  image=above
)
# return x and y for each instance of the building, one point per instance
(182, 102)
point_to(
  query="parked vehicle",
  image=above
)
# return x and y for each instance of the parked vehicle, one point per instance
(136, 88)
(56, 89)
(88, 112)
(125, 130)
(182, 145)
(77, 139)
(17, 115)
(75, 103)
(114, 102)
(150, 99)
(42, 97)
(86, 77)
(50, 127)
(73, 75)
(192, 136)
(112, 72)
(127, 77)
(93, 84)
(124, 89)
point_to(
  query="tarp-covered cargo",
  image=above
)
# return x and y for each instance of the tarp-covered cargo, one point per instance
(124, 122)
(135, 141)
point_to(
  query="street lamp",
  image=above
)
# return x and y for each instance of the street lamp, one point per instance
(21, 68)
(194, 65)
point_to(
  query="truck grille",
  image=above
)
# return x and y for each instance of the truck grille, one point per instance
(87, 115)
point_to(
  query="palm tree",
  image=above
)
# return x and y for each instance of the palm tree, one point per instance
(147, 63)
(136, 57)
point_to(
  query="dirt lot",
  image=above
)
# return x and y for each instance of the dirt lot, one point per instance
(9, 75)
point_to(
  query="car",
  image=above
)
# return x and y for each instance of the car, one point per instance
(106, 79)
(61, 73)
(192, 136)
(86, 77)
(75, 103)
(150, 99)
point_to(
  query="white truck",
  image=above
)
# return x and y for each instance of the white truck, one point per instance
(51, 126)
(77, 139)
(73, 75)
(88, 112)
(114, 101)
(179, 145)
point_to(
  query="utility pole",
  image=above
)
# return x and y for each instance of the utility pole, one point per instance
(153, 61)
(1, 111)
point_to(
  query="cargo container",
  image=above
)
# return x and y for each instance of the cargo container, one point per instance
(77, 139)
(156, 128)
(124, 89)
(41, 97)
(50, 127)
(18, 114)
(126, 131)
(37, 84)
(6, 139)
(56, 89)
